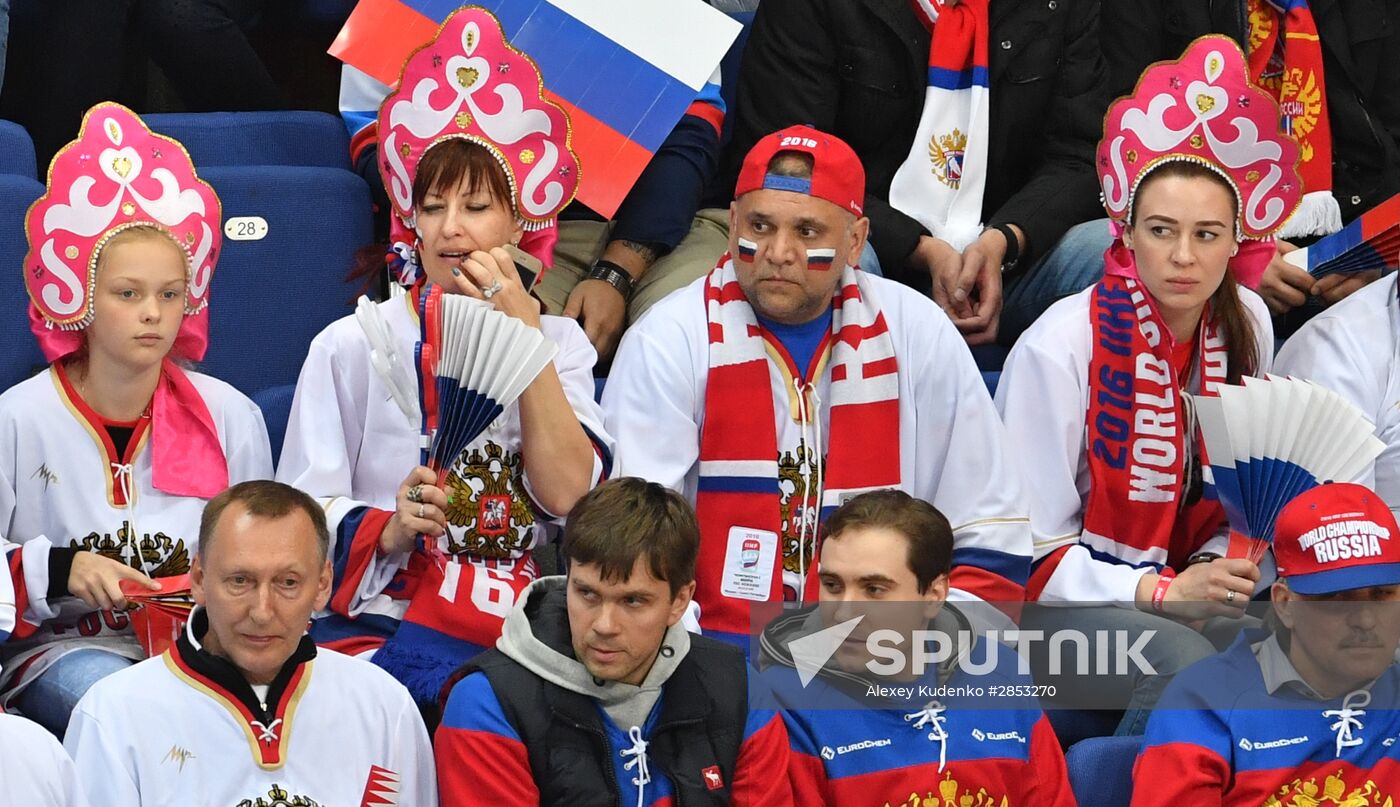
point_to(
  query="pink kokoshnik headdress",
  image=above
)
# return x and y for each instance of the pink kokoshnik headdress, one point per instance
(1202, 108)
(117, 175)
(469, 83)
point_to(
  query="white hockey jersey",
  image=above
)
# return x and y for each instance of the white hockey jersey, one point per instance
(1353, 349)
(953, 451)
(35, 771)
(1043, 396)
(166, 732)
(61, 485)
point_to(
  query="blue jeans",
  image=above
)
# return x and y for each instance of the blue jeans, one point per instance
(1073, 265)
(1168, 651)
(4, 36)
(50, 698)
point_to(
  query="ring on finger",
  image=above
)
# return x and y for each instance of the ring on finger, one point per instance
(1230, 595)
(415, 494)
(492, 290)
(422, 508)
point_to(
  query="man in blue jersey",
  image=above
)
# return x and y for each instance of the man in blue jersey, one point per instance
(873, 726)
(1308, 713)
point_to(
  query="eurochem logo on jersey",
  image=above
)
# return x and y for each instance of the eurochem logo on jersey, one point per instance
(1247, 745)
(828, 753)
(995, 736)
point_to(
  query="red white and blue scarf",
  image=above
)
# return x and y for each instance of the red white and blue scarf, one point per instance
(738, 483)
(1140, 432)
(941, 181)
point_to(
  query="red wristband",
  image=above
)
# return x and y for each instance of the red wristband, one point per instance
(1159, 594)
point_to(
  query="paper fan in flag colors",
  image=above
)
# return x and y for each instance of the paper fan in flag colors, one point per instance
(1270, 440)
(473, 361)
(1370, 242)
(158, 616)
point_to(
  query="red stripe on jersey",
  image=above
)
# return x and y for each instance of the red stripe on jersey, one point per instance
(362, 548)
(366, 137)
(1005, 594)
(709, 113)
(16, 572)
(1043, 572)
(482, 767)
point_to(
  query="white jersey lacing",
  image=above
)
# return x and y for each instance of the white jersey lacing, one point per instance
(132, 545)
(932, 716)
(1349, 718)
(638, 752)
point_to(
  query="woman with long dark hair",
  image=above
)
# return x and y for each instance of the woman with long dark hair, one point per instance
(1097, 393)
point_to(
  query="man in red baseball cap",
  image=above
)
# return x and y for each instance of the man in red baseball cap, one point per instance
(787, 381)
(1311, 709)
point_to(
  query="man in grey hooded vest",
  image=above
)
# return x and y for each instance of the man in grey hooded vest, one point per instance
(597, 694)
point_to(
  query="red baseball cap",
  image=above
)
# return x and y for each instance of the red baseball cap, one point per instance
(1337, 537)
(837, 173)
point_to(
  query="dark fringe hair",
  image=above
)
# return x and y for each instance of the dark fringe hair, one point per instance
(628, 518)
(926, 530)
(1226, 308)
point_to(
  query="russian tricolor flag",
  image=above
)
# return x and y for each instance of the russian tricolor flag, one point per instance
(624, 70)
(748, 250)
(820, 259)
(1370, 242)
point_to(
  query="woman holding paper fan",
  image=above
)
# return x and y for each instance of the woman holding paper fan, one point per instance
(473, 158)
(1096, 392)
(108, 457)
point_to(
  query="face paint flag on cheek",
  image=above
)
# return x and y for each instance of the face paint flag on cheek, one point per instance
(820, 260)
(749, 249)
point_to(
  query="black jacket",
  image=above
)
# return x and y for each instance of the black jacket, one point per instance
(704, 711)
(858, 69)
(1361, 61)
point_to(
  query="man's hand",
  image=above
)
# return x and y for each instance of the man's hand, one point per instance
(600, 309)
(1284, 286)
(601, 312)
(1337, 287)
(96, 580)
(981, 278)
(944, 266)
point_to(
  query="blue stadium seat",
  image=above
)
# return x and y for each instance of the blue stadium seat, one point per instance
(1073, 725)
(276, 405)
(1101, 770)
(20, 356)
(16, 151)
(989, 357)
(257, 138)
(269, 297)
